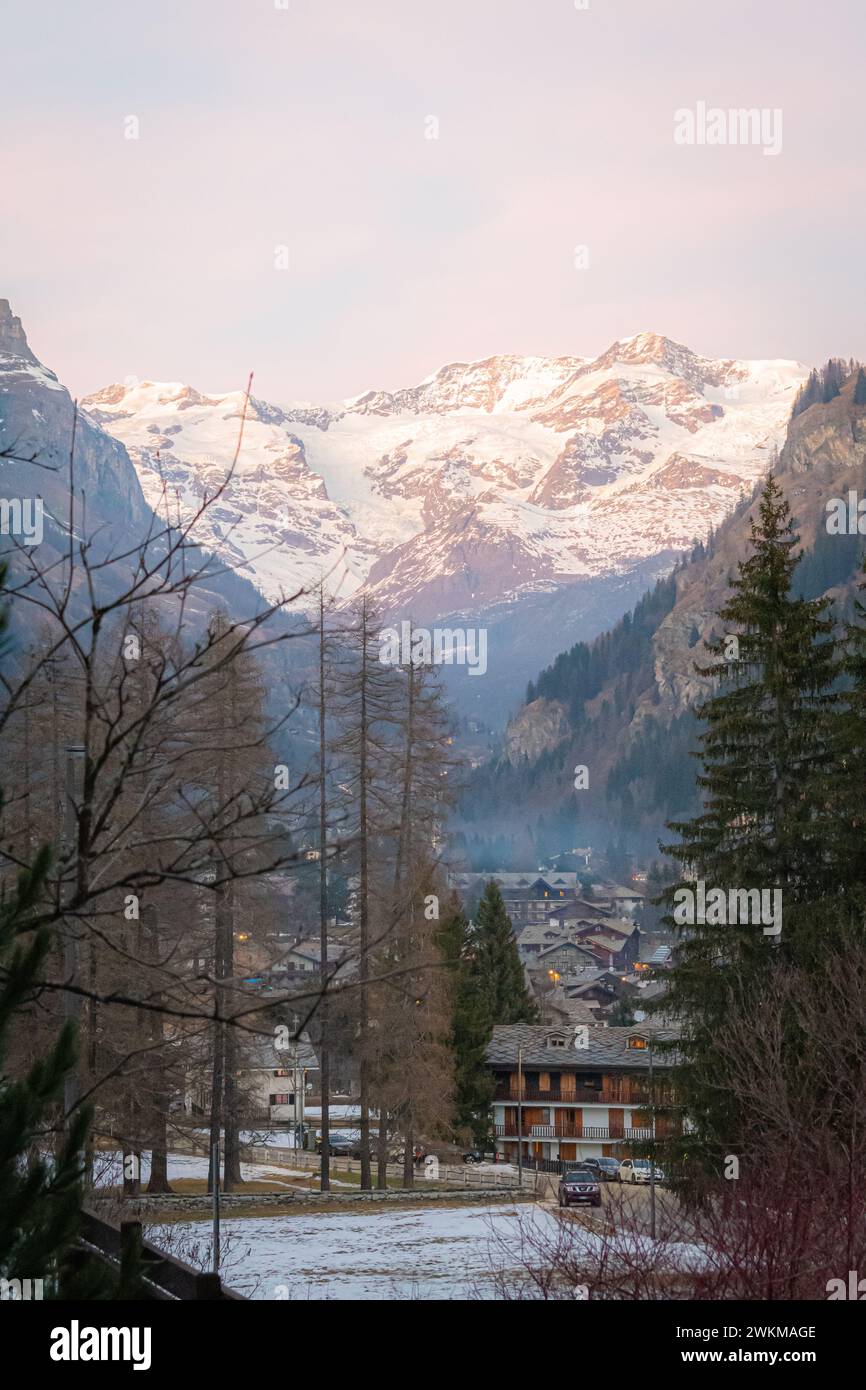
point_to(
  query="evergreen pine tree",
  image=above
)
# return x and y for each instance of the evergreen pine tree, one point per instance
(860, 388)
(808, 394)
(470, 1029)
(842, 787)
(40, 1197)
(763, 752)
(496, 967)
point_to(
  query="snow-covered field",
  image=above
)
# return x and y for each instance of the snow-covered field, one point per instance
(108, 1170)
(424, 1253)
(337, 1112)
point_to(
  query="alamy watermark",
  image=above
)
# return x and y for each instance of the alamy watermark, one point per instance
(854, 1289)
(740, 125)
(717, 907)
(846, 518)
(77, 1343)
(421, 646)
(22, 517)
(21, 1290)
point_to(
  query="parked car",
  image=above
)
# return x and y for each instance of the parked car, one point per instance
(606, 1169)
(638, 1170)
(419, 1153)
(478, 1156)
(340, 1145)
(580, 1185)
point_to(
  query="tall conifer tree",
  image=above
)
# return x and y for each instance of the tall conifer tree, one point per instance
(470, 1028)
(762, 825)
(497, 970)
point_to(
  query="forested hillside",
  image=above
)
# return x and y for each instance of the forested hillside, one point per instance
(622, 706)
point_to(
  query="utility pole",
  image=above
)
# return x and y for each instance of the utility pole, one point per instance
(653, 1156)
(520, 1117)
(72, 1002)
(215, 1168)
(296, 1097)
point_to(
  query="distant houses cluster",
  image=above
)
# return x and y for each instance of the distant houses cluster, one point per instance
(578, 947)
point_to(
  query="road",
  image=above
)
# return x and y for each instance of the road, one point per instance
(626, 1206)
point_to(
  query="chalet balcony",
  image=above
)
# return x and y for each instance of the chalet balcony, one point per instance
(536, 1095)
(589, 1133)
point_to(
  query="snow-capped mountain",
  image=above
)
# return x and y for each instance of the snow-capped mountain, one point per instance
(488, 485)
(487, 480)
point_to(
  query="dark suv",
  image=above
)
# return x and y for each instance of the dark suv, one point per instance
(605, 1169)
(580, 1185)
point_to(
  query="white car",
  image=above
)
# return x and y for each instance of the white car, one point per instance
(638, 1170)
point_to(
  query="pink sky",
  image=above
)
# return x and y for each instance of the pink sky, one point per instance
(305, 127)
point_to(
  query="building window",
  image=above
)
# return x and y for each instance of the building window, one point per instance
(280, 1099)
(638, 1043)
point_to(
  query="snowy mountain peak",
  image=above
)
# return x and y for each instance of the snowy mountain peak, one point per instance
(13, 339)
(650, 347)
(487, 481)
(273, 520)
(492, 384)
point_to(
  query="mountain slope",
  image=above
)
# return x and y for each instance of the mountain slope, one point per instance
(623, 706)
(36, 415)
(274, 521)
(111, 511)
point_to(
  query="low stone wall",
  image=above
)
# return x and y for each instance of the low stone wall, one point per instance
(200, 1204)
(408, 1194)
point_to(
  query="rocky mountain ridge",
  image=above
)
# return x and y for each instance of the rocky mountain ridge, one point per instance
(624, 705)
(492, 493)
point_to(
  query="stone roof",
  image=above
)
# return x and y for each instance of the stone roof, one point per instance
(570, 1010)
(540, 934)
(553, 877)
(619, 926)
(613, 944)
(565, 944)
(581, 907)
(616, 890)
(607, 1047)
